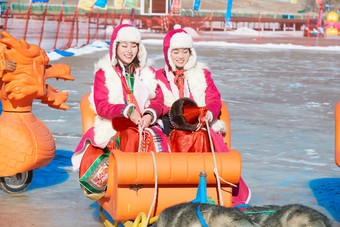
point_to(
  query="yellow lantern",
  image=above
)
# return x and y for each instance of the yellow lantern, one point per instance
(332, 17)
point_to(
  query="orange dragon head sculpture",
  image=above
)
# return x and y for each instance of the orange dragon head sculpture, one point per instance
(28, 82)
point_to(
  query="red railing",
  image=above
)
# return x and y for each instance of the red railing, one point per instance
(60, 31)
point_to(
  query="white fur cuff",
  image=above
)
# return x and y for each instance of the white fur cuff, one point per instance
(154, 114)
(125, 112)
(218, 126)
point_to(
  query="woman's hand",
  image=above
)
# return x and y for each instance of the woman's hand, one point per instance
(146, 121)
(136, 118)
(207, 117)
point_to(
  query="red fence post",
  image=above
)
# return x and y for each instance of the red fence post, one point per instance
(43, 24)
(259, 29)
(168, 25)
(27, 19)
(97, 28)
(308, 28)
(59, 21)
(77, 26)
(113, 18)
(122, 15)
(7, 11)
(105, 24)
(89, 29)
(211, 24)
(70, 39)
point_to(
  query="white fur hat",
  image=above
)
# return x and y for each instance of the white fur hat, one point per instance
(127, 33)
(178, 38)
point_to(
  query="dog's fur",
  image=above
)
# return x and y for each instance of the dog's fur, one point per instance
(292, 215)
(184, 215)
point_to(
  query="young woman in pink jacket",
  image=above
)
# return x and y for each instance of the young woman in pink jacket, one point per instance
(126, 98)
(181, 77)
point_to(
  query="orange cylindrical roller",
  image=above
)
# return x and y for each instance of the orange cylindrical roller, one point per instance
(337, 134)
(175, 168)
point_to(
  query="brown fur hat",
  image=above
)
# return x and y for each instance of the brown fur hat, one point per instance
(184, 114)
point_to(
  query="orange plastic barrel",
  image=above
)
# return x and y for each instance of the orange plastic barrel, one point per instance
(337, 134)
(132, 180)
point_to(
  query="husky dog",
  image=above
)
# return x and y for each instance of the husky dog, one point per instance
(292, 215)
(189, 215)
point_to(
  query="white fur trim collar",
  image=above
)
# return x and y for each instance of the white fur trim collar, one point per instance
(103, 127)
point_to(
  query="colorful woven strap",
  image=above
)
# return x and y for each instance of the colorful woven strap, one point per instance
(129, 95)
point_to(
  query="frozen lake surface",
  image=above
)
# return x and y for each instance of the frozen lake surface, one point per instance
(281, 103)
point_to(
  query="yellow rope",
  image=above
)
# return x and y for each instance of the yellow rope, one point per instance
(140, 220)
(104, 219)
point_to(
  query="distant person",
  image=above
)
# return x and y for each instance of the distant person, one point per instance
(181, 77)
(126, 98)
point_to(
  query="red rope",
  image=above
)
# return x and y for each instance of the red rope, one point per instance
(308, 28)
(7, 11)
(59, 21)
(113, 18)
(105, 24)
(27, 20)
(77, 27)
(43, 24)
(211, 24)
(168, 25)
(89, 29)
(122, 15)
(259, 29)
(70, 40)
(97, 28)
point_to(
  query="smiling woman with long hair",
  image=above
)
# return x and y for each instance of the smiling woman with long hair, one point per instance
(127, 100)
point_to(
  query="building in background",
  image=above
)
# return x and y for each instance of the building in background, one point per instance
(154, 7)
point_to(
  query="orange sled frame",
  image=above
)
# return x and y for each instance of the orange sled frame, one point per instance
(132, 176)
(337, 134)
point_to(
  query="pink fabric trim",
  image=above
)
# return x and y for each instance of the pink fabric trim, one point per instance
(157, 103)
(164, 142)
(160, 75)
(241, 193)
(101, 98)
(212, 96)
(218, 142)
(89, 135)
(79, 152)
